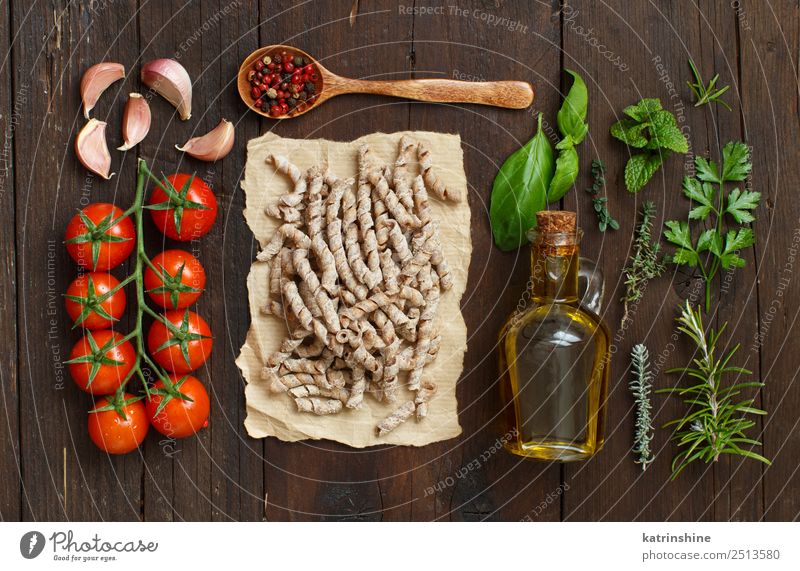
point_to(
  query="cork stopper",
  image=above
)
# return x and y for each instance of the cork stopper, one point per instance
(556, 232)
(556, 222)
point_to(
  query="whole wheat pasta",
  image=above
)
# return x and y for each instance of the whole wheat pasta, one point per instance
(432, 180)
(357, 271)
(398, 417)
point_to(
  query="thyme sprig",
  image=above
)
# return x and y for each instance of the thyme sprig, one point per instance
(600, 203)
(645, 262)
(716, 423)
(706, 93)
(641, 385)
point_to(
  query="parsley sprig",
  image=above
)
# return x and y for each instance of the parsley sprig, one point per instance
(718, 246)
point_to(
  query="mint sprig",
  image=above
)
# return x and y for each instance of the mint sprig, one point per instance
(653, 130)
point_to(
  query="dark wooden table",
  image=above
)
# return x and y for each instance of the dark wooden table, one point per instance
(49, 470)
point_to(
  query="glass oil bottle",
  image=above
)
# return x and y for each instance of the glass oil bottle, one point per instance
(554, 354)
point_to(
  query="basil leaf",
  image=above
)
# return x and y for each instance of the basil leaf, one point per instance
(566, 173)
(572, 115)
(520, 191)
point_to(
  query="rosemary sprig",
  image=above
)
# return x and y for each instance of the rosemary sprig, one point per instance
(645, 262)
(600, 203)
(706, 93)
(641, 385)
(715, 423)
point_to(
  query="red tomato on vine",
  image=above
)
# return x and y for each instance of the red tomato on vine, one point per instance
(179, 282)
(183, 207)
(181, 343)
(180, 409)
(118, 424)
(99, 237)
(100, 361)
(95, 300)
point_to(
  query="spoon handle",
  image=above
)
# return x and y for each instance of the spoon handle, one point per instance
(508, 94)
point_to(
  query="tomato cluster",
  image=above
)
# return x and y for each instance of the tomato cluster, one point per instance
(101, 237)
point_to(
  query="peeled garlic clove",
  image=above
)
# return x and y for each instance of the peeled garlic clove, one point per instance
(135, 122)
(96, 80)
(212, 146)
(170, 79)
(92, 150)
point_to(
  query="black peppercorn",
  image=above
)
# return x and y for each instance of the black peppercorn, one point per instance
(310, 87)
(276, 59)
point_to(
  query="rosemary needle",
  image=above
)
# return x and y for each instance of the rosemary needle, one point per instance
(706, 93)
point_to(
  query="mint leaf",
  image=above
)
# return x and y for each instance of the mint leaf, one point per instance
(739, 202)
(706, 170)
(735, 161)
(666, 133)
(630, 133)
(678, 233)
(640, 170)
(642, 110)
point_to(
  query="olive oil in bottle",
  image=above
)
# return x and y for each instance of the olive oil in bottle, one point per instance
(554, 354)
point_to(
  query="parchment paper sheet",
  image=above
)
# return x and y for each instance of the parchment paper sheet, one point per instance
(270, 414)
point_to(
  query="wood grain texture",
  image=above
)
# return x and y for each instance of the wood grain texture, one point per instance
(224, 475)
(10, 124)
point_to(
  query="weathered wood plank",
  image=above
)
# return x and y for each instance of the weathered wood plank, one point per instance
(769, 36)
(474, 479)
(65, 476)
(10, 126)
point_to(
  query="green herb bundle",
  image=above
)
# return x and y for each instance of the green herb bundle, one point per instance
(600, 203)
(706, 93)
(718, 246)
(655, 132)
(571, 122)
(645, 262)
(532, 176)
(641, 384)
(716, 423)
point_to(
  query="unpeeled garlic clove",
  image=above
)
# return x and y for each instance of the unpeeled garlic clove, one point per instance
(212, 146)
(96, 80)
(135, 122)
(170, 79)
(92, 150)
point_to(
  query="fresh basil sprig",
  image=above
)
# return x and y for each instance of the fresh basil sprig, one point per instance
(520, 191)
(653, 130)
(571, 122)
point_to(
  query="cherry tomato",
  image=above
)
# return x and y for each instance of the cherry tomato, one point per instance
(181, 281)
(190, 208)
(98, 239)
(185, 346)
(113, 433)
(99, 362)
(90, 303)
(179, 418)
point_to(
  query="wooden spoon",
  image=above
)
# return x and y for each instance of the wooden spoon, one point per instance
(508, 94)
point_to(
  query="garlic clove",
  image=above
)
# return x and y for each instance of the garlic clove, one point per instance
(135, 122)
(170, 79)
(212, 146)
(92, 150)
(96, 80)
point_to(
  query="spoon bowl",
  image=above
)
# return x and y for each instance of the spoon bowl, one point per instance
(507, 94)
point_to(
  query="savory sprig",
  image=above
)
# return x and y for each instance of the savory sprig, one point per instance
(716, 422)
(645, 262)
(706, 93)
(600, 203)
(655, 132)
(716, 247)
(641, 384)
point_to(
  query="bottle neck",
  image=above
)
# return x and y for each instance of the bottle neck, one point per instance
(554, 272)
